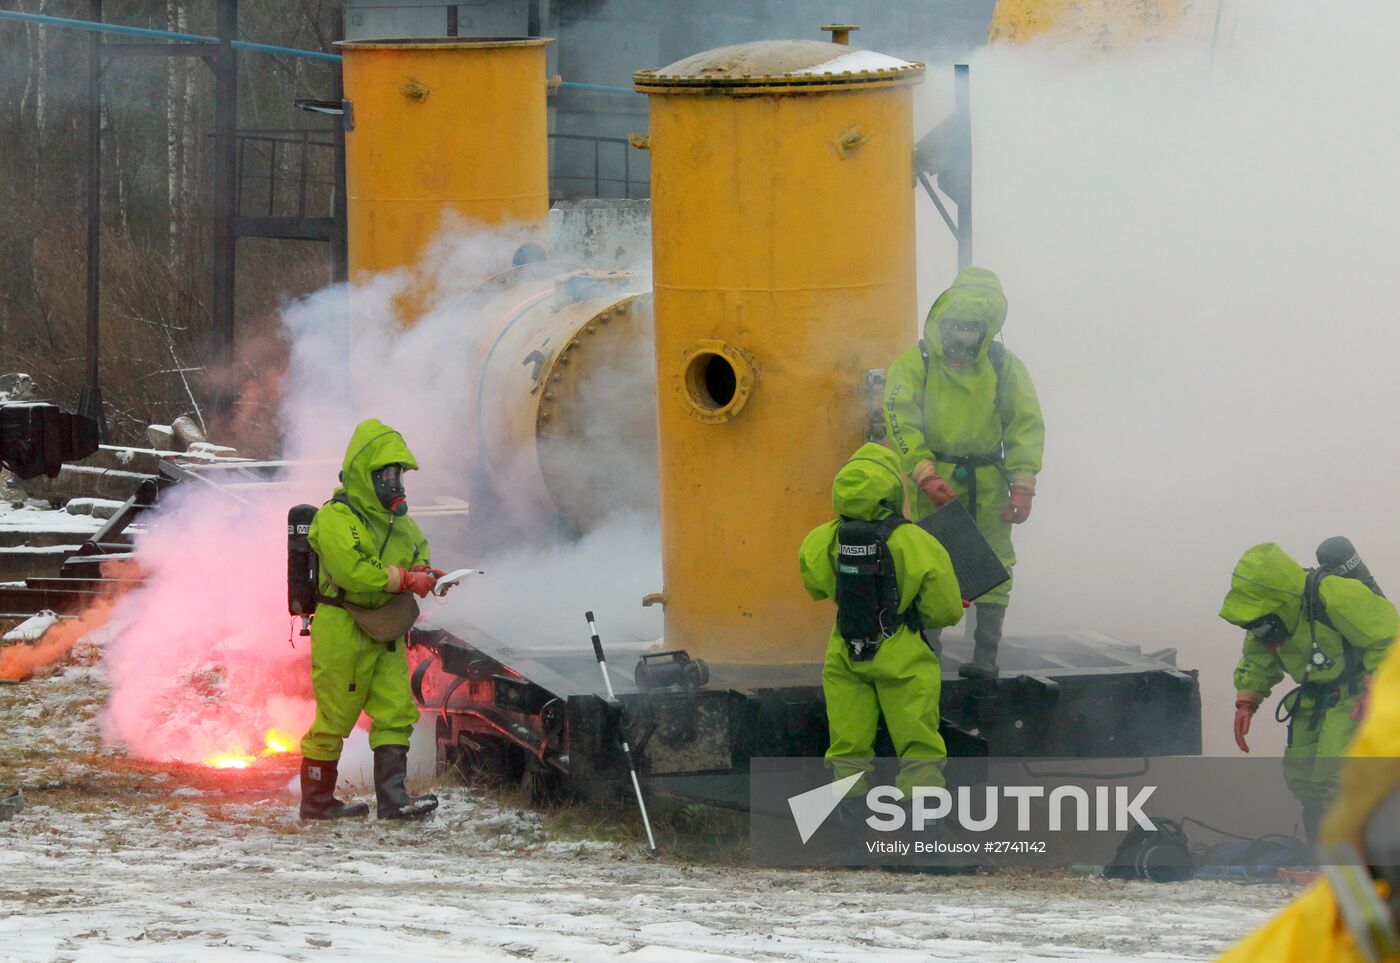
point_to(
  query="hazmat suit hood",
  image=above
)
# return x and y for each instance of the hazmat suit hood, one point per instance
(869, 486)
(1265, 582)
(372, 446)
(976, 295)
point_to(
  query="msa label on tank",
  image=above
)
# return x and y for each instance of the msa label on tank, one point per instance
(860, 549)
(298, 529)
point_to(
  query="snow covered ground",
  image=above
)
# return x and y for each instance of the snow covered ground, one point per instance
(37, 516)
(118, 859)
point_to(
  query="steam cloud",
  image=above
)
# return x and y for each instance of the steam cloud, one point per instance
(1198, 261)
(204, 666)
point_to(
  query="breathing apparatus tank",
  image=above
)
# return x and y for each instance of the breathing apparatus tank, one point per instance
(303, 568)
(1337, 556)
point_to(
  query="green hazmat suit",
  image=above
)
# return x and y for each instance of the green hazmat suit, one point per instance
(904, 678)
(1266, 581)
(941, 413)
(351, 672)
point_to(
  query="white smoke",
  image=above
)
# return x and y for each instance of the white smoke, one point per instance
(1198, 265)
(202, 671)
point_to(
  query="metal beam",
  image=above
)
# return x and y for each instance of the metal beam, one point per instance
(90, 400)
(340, 245)
(287, 228)
(962, 100)
(224, 199)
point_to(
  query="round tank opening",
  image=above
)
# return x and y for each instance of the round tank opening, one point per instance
(711, 380)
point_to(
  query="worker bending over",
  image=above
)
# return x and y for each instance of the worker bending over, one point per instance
(1326, 632)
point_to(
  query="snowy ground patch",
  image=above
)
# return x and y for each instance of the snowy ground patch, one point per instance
(115, 859)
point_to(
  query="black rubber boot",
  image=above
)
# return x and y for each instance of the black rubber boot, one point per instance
(1312, 818)
(986, 639)
(318, 793)
(851, 815)
(390, 770)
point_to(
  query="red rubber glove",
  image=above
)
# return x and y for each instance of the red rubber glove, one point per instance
(1358, 711)
(425, 567)
(931, 483)
(1018, 508)
(419, 583)
(1244, 712)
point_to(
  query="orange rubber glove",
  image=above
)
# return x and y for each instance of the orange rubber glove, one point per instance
(931, 483)
(419, 583)
(1018, 508)
(425, 567)
(1244, 712)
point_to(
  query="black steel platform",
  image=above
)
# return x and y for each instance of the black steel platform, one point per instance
(515, 710)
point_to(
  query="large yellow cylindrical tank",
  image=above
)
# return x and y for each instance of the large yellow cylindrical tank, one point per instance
(562, 429)
(441, 126)
(783, 269)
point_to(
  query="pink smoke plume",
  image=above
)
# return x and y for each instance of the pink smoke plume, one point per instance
(202, 669)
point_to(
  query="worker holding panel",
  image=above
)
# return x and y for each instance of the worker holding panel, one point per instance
(963, 414)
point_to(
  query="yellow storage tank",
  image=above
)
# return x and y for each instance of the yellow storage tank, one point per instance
(783, 268)
(441, 125)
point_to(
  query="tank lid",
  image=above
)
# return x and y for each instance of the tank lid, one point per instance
(780, 63)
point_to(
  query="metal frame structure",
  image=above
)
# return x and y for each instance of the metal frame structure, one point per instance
(509, 713)
(220, 53)
(958, 130)
(626, 182)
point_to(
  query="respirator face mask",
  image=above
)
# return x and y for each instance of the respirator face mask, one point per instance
(1269, 630)
(961, 340)
(388, 486)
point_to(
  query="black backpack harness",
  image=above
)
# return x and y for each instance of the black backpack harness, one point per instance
(966, 465)
(867, 586)
(1324, 695)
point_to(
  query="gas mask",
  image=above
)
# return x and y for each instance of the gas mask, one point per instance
(1268, 630)
(961, 341)
(388, 487)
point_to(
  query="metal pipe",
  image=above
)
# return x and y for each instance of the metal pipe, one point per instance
(91, 402)
(225, 62)
(962, 100)
(604, 88)
(117, 28)
(626, 749)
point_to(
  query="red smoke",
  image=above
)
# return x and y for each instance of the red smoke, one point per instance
(202, 666)
(26, 658)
